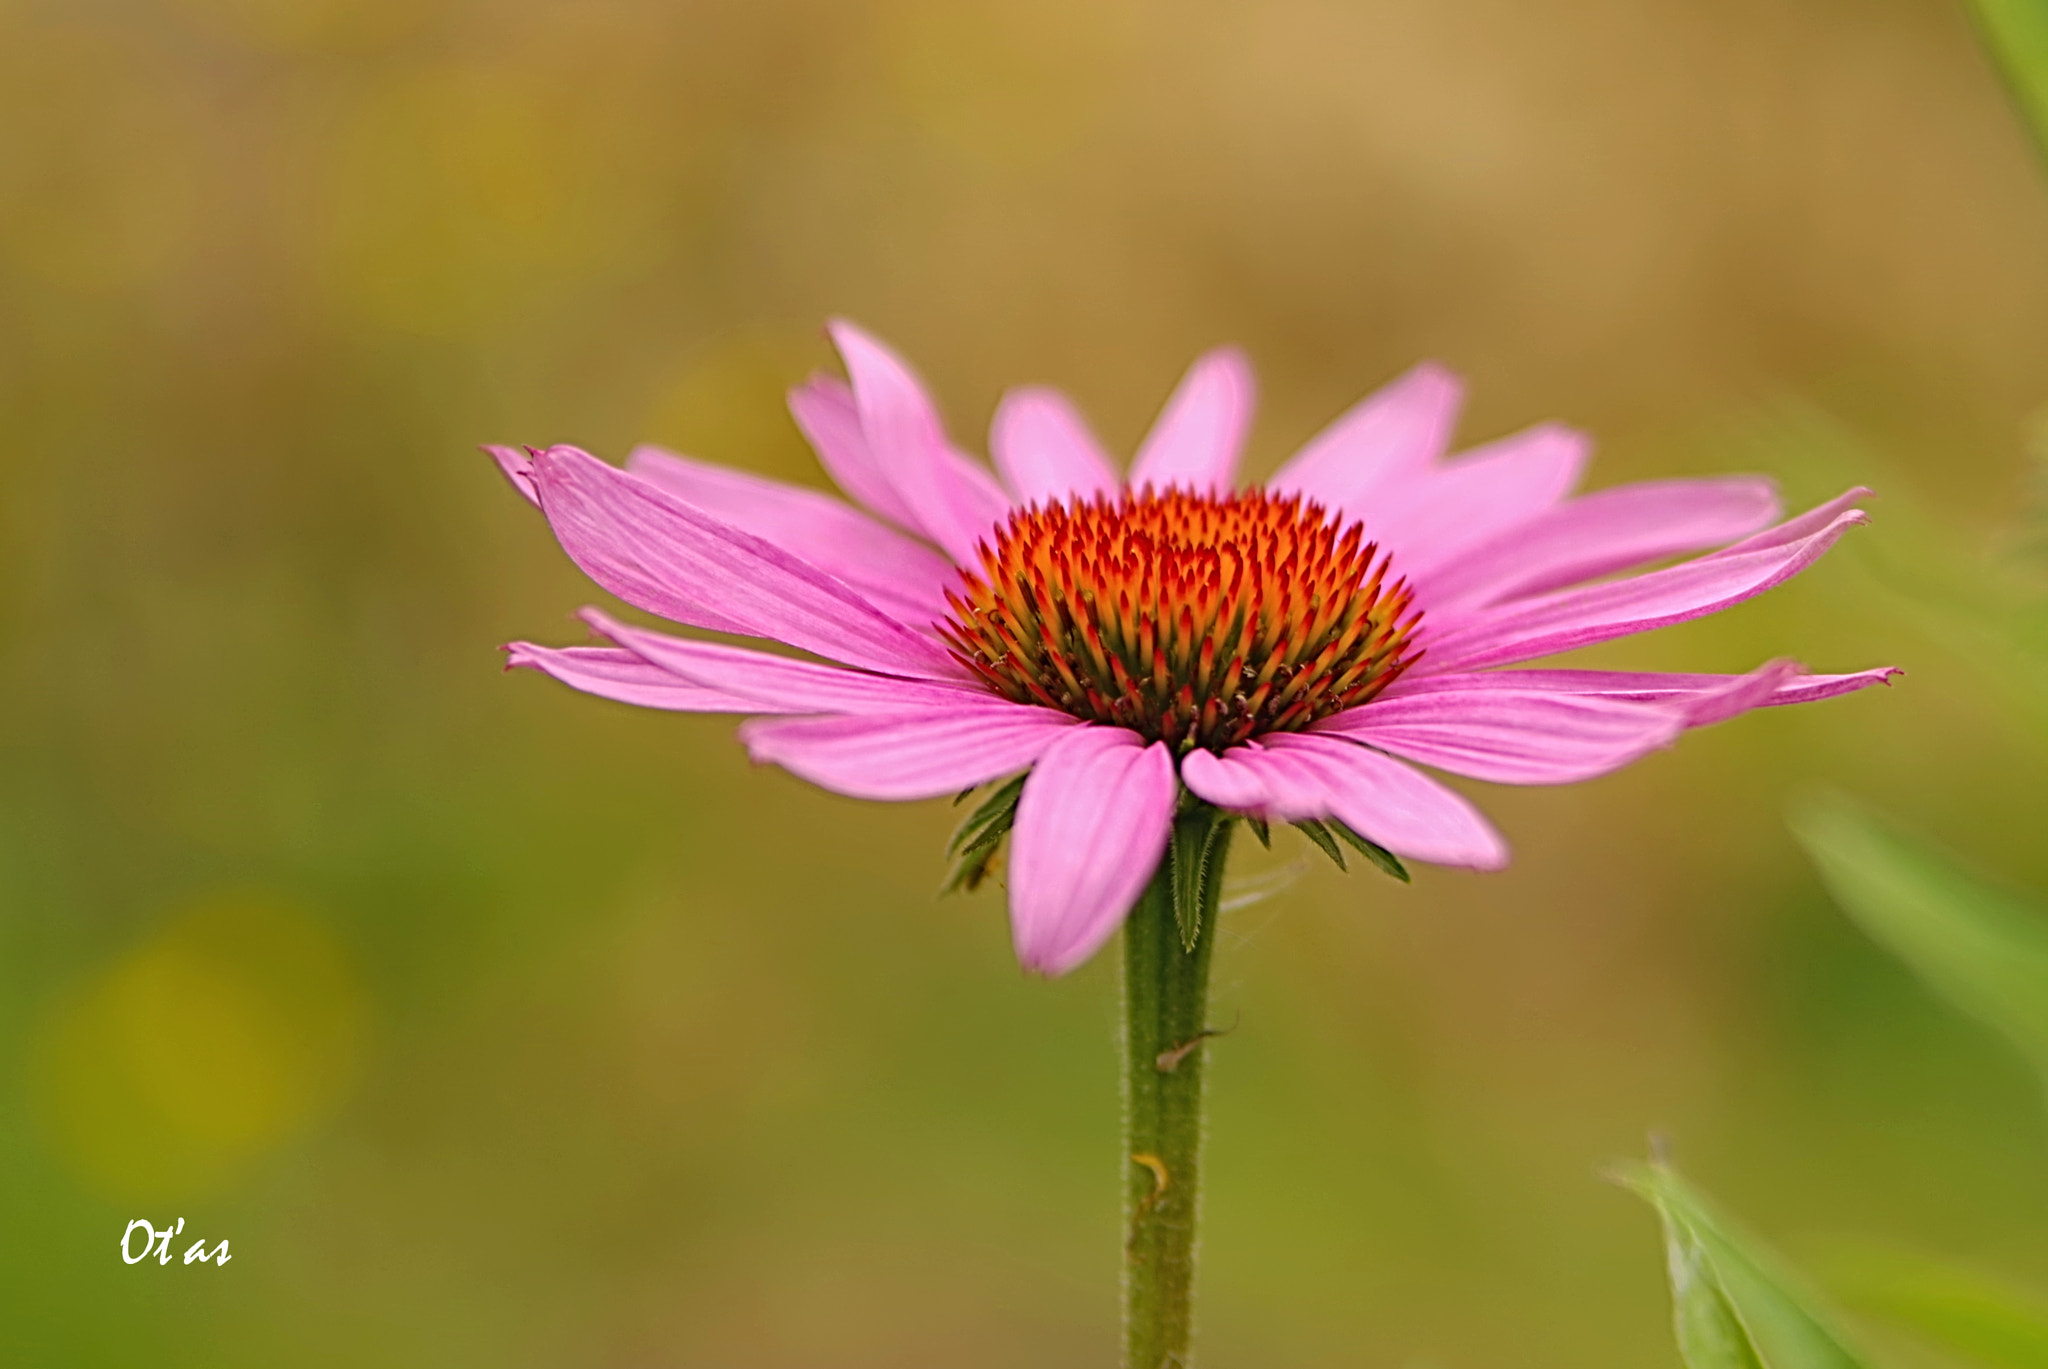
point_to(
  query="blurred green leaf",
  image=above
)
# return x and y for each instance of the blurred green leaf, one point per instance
(1982, 949)
(1710, 1334)
(1734, 1305)
(1980, 1318)
(2017, 33)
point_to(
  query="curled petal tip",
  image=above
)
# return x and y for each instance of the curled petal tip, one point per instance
(517, 468)
(1563, 435)
(748, 735)
(817, 383)
(1054, 969)
(846, 334)
(1433, 379)
(1038, 965)
(597, 620)
(1232, 357)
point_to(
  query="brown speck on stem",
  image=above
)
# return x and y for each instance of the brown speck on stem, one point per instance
(1169, 1060)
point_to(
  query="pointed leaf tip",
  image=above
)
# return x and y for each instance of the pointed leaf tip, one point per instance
(1327, 844)
(976, 845)
(1000, 807)
(1386, 860)
(1734, 1304)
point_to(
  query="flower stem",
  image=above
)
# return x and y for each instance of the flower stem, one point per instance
(1166, 991)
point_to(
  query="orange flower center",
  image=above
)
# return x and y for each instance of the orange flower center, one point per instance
(1199, 620)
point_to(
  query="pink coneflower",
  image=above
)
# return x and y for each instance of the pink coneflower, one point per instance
(1164, 656)
(1288, 653)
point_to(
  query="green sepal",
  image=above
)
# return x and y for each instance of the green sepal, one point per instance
(999, 808)
(977, 841)
(1260, 830)
(1194, 834)
(1325, 834)
(1320, 835)
(976, 861)
(1379, 855)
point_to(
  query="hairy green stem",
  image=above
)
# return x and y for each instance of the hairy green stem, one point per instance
(1166, 991)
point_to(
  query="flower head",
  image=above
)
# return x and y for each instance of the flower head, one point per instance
(1289, 653)
(1193, 619)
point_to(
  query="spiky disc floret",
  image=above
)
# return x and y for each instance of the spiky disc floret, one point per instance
(1196, 619)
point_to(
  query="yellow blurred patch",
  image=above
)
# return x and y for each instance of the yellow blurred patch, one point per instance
(727, 405)
(307, 24)
(456, 195)
(1006, 82)
(103, 180)
(210, 1043)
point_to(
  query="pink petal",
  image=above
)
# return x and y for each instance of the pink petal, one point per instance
(1091, 826)
(779, 684)
(611, 673)
(907, 755)
(1292, 776)
(1380, 445)
(953, 501)
(1257, 778)
(1238, 781)
(1806, 524)
(1599, 534)
(1509, 736)
(1801, 689)
(660, 554)
(517, 468)
(899, 576)
(1739, 695)
(1195, 442)
(1464, 503)
(823, 407)
(1044, 450)
(1703, 698)
(1561, 621)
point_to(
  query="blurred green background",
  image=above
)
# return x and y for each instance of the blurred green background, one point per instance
(496, 1025)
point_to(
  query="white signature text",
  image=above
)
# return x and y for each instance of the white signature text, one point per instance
(158, 1243)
